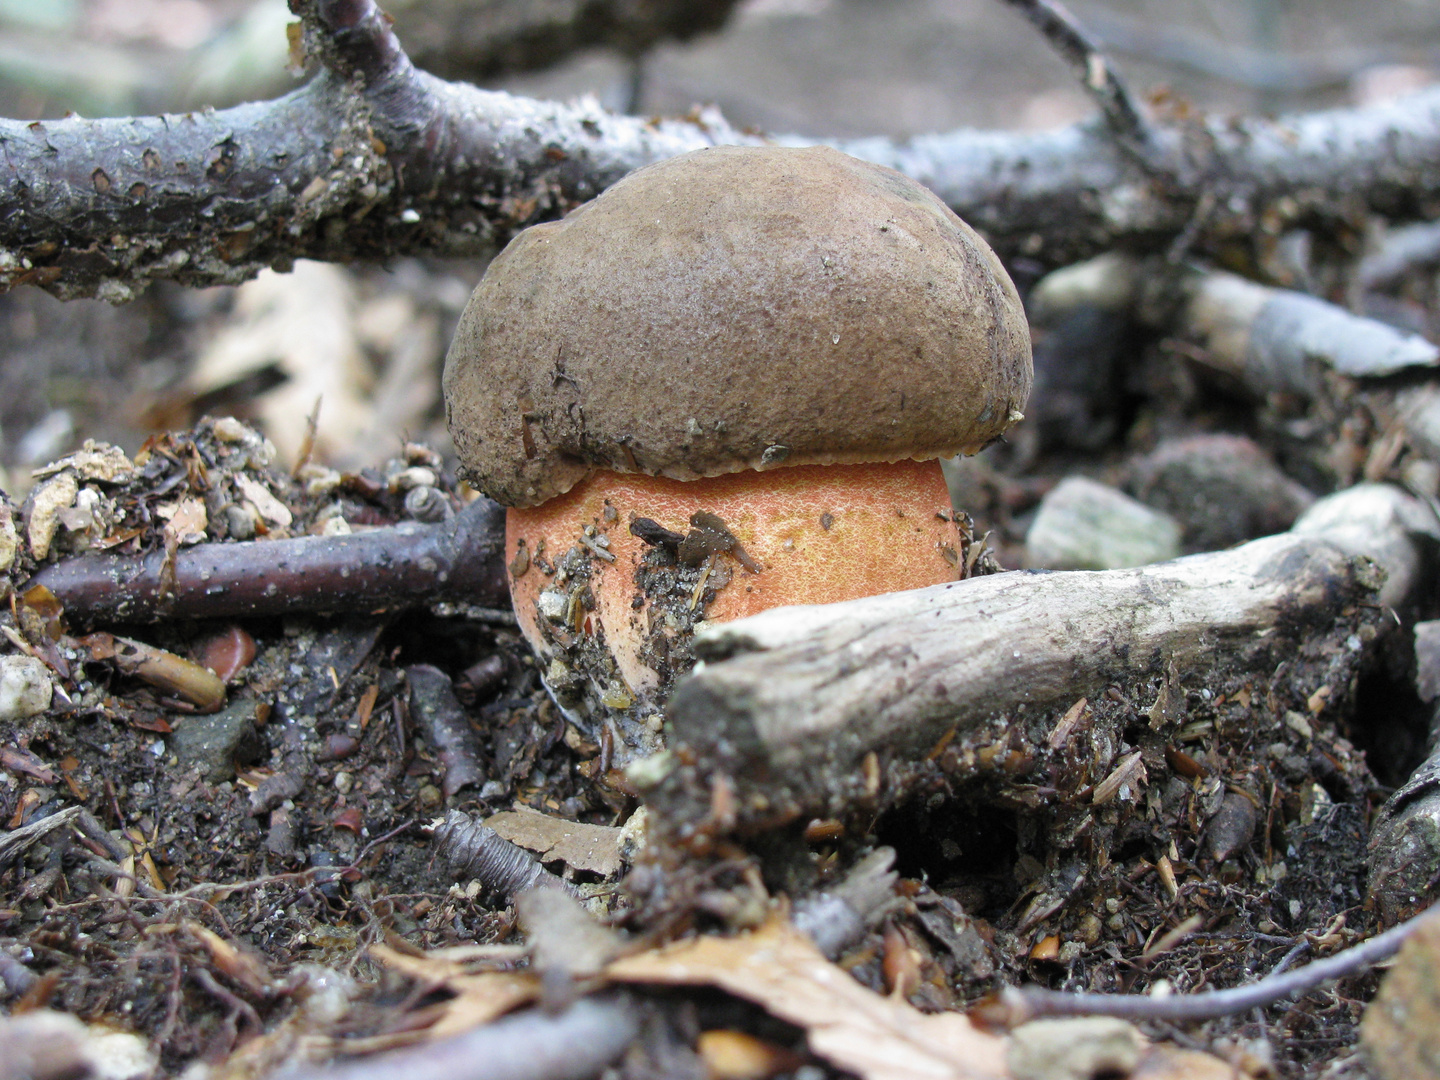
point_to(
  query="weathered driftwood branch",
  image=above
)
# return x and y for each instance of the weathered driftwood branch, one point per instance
(1270, 340)
(819, 710)
(375, 159)
(459, 561)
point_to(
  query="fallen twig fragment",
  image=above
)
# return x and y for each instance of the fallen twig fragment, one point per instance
(469, 849)
(437, 713)
(1016, 1005)
(162, 669)
(17, 840)
(569, 1045)
(400, 566)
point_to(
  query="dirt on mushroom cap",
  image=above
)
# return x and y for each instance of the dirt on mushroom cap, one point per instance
(735, 308)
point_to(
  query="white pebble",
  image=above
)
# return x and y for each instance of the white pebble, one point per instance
(24, 687)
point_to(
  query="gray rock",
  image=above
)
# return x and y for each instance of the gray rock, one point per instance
(217, 742)
(1085, 525)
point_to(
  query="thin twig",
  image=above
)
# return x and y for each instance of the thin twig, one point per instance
(17, 840)
(1095, 72)
(1020, 1004)
(535, 1045)
(458, 561)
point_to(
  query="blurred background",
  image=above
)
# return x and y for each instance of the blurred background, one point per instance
(370, 340)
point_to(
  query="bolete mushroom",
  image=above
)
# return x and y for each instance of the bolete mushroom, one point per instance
(722, 386)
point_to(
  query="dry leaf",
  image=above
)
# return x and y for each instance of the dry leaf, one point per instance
(45, 505)
(1165, 1062)
(853, 1028)
(303, 324)
(185, 522)
(737, 1055)
(270, 508)
(479, 998)
(593, 848)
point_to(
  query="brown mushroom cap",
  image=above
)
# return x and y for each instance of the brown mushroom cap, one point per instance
(735, 308)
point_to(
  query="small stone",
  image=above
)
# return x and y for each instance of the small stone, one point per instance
(239, 522)
(9, 539)
(46, 502)
(417, 476)
(216, 742)
(1222, 489)
(229, 430)
(25, 687)
(1085, 525)
(553, 606)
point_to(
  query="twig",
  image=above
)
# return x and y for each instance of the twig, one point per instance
(1234, 62)
(1020, 1004)
(470, 849)
(238, 1006)
(401, 566)
(17, 840)
(439, 717)
(576, 1043)
(115, 870)
(1095, 72)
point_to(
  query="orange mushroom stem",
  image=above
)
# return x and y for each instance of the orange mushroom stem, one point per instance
(810, 534)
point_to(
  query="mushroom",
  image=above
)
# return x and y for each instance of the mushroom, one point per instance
(721, 386)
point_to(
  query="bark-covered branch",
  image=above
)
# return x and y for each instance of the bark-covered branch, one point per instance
(459, 561)
(374, 159)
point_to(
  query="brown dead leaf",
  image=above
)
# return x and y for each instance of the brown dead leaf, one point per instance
(853, 1028)
(580, 846)
(479, 998)
(300, 325)
(259, 496)
(185, 522)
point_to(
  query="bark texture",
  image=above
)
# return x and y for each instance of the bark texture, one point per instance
(375, 159)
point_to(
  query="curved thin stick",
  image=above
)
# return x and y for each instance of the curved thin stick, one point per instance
(1020, 1004)
(1095, 72)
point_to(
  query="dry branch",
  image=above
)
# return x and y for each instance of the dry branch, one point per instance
(1020, 1004)
(401, 566)
(823, 709)
(374, 159)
